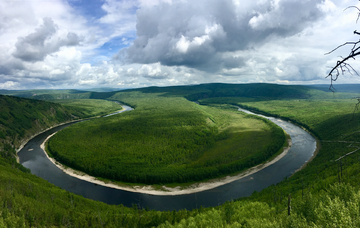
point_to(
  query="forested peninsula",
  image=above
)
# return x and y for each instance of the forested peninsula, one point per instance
(324, 193)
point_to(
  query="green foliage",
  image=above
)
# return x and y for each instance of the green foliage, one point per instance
(20, 118)
(324, 118)
(8, 154)
(232, 214)
(328, 208)
(89, 107)
(318, 199)
(73, 95)
(338, 125)
(167, 140)
(29, 201)
(38, 92)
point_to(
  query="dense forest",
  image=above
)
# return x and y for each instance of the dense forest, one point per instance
(22, 118)
(167, 140)
(89, 107)
(326, 193)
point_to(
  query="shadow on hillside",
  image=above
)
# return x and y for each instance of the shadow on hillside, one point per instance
(202, 91)
(338, 126)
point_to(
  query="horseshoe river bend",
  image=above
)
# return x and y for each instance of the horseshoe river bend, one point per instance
(33, 157)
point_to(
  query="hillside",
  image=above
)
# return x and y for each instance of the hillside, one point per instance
(29, 201)
(21, 118)
(325, 193)
(195, 92)
(38, 92)
(89, 107)
(344, 88)
(167, 140)
(257, 91)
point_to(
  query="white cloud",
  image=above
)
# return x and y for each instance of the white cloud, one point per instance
(37, 45)
(199, 34)
(52, 45)
(327, 6)
(183, 44)
(9, 85)
(117, 11)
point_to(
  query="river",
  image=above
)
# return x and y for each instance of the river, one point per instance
(303, 147)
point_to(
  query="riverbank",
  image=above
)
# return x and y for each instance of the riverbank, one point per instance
(25, 141)
(76, 119)
(194, 188)
(318, 147)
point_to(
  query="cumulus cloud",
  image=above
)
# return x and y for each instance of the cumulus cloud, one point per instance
(37, 45)
(199, 34)
(9, 85)
(52, 44)
(285, 16)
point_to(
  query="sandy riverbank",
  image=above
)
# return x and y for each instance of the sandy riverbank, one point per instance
(25, 141)
(198, 187)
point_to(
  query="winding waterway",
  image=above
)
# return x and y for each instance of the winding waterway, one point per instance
(303, 147)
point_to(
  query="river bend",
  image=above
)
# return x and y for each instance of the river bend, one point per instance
(303, 147)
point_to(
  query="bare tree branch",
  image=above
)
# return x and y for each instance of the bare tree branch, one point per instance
(342, 66)
(355, 8)
(347, 43)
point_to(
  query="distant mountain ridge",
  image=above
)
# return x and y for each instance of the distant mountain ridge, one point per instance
(196, 92)
(345, 88)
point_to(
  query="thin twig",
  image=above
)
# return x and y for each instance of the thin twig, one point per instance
(347, 154)
(355, 8)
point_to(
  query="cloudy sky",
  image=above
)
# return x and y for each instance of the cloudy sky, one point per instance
(135, 43)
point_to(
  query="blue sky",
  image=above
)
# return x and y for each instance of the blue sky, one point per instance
(134, 43)
(90, 9)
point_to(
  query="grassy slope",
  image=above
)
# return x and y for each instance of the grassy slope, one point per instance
(167, 140)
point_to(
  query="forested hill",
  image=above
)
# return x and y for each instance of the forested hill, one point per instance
(263, 91)
(21, 118)
(255, 90)
(345, 88)
(258, 90)
(60, 94)
(325, 193)
(38, 92)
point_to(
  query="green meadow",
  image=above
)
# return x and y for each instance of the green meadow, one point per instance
(167, 140)
(326, 193)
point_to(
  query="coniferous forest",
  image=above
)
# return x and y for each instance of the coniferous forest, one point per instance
(167, 140)
(325, 193)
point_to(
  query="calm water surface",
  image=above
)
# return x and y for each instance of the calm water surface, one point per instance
(304, 145)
